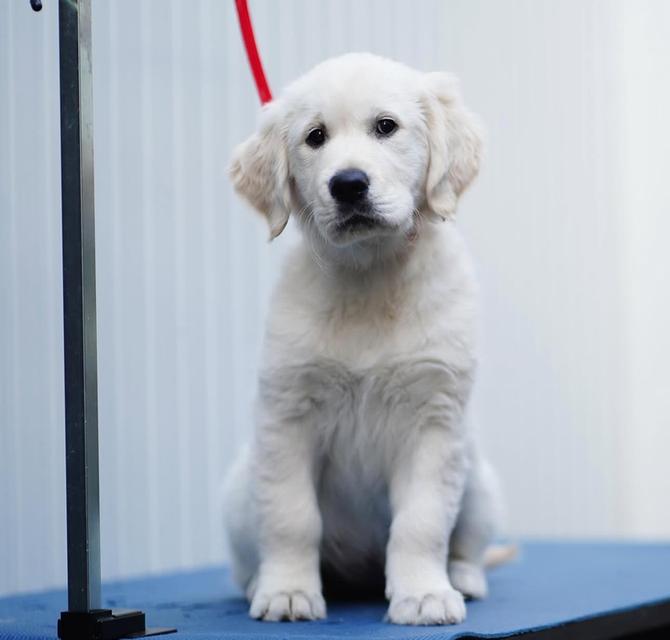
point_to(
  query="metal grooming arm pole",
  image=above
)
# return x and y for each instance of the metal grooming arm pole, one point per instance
(85, 619)
(81, 375)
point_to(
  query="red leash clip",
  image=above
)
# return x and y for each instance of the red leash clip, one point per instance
(252, 51)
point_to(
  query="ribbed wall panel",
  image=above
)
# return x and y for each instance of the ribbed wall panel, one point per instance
(32, 478)
(184, 271)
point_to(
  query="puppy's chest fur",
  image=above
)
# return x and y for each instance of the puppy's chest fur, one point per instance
(423, 305)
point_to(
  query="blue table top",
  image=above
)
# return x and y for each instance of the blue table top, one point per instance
(548, 585)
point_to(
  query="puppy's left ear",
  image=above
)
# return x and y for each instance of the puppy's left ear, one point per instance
(259, 169)
(455, 141)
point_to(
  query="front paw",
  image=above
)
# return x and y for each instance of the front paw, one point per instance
(276, 604)
(429, 607)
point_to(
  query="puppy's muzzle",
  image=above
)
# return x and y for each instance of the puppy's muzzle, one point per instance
(349, 189)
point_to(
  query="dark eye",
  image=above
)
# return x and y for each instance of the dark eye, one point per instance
(386, 126)
(316, 137)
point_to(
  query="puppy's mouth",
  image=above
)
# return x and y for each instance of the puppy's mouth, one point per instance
(357, 219)
(356, 222)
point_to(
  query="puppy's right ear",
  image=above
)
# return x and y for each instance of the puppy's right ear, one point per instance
(259, 170)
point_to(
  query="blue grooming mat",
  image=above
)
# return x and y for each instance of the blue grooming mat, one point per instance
(553, 590)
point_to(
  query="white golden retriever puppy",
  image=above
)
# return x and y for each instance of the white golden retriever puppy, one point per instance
(362, 466)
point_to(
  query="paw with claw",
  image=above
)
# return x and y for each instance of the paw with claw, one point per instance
(290, 599)
(427, 607)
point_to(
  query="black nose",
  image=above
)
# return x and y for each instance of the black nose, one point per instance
(349, 186)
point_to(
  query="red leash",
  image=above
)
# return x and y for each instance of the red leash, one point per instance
(252, 51)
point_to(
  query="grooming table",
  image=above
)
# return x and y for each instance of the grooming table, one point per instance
(552, 591)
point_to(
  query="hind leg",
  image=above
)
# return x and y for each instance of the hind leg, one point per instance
(474, 531)
(241, 524)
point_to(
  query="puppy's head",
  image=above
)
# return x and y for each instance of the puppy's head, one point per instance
(359, 149)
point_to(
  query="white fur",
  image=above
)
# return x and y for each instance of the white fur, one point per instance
(362, 456)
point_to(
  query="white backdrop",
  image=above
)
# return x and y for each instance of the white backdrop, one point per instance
(569, 223)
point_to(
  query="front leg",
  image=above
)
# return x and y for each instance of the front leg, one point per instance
(288, 583)
(425, 490)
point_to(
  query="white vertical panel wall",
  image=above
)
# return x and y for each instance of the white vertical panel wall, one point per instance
(32, 530)
(544, 222)
(184, 271)
(645, 60)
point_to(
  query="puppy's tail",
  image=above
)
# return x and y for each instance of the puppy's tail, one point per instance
(498, 554)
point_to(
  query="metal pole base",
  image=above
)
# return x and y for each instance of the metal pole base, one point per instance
(105, 624)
